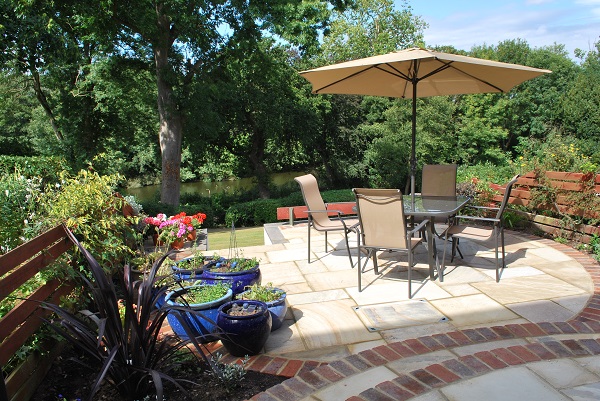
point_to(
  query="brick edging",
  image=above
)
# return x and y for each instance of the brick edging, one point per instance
(311, 376)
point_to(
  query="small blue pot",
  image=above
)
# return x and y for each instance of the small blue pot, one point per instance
(244, 335)
(202, 321)
(277, 308)
(238, 280)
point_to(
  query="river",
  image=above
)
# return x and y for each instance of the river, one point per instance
(207, 188)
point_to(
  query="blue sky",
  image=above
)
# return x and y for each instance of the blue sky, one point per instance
(463, 24)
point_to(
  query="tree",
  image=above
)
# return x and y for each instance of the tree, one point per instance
(182, 39)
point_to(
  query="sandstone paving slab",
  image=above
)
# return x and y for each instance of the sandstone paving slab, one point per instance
(472, 309)
(552, 255)
(326, 324)
(405, 333)
(281, 273)
(359, 347)
(563, 373)
(541, 311)
(287, 255)
(524, 289)
(514, 272)
(384, 291)
(316, 297)
(355, 384)
(332, 280)
(462, 274)
(574, 303)
(398, 314)
(585, 392)
(459, 289)
(327, 354)
(420, 361)
(286, 339)
(510, 384)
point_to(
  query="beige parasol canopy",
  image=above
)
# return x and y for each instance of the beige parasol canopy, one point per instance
(416, 72)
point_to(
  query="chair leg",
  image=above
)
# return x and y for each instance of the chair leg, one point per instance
(325, 241)
(410, 261)
(309, 241)
(348, 249)
(497, 264)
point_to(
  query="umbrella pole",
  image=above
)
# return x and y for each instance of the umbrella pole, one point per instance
(413, 158)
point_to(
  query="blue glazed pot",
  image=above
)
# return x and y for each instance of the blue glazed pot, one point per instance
(202, 321)
(238, 279)
(187, 274)
(277, 308)
(244, 335)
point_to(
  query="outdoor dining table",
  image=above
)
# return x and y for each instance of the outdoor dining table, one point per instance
(433, 208)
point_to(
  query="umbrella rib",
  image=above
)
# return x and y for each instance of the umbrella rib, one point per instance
(343, 79)
(448, 65)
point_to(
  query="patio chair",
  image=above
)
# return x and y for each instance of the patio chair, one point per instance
(438, 180)
(383, 226)
(318, 214)
(484, 230)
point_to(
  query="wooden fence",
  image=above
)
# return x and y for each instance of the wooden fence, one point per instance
(17, 326)
(565, 187)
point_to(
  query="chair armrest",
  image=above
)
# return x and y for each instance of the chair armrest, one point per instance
(417, 228)
(475, 218)
(483, 207)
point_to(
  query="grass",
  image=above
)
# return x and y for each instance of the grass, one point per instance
(219, 238)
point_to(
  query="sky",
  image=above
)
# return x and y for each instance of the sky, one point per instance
(464, 24)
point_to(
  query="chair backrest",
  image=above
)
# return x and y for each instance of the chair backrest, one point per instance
(312, 197)
(438, 180)
(381, 217)
(506, 196)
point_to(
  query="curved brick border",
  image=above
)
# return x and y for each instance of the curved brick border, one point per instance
(310, 376)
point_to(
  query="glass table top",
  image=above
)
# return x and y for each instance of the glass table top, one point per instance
(442, 206)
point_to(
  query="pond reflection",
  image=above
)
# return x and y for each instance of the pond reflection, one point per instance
(207, 188)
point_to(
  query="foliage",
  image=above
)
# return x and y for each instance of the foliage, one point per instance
(129, 351)
(87, 204)
(252, 213)
(48, 169)
(264, 293)
(20, 214)
(201, 293)
(233, 264)
(232, 373)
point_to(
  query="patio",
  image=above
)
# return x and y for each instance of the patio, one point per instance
(337, 342)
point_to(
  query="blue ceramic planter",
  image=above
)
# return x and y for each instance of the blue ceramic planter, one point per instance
(244, 335)
(202, 321)
(277, 308)
(238, 279)
(186, 274)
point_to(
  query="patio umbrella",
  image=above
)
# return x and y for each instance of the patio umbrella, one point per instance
(417, 72)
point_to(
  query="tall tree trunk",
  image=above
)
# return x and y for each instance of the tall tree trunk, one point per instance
(171, 124)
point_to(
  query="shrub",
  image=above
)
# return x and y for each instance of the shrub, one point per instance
(87, 204)
(123, 335)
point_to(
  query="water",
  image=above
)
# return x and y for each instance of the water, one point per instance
(205, 188)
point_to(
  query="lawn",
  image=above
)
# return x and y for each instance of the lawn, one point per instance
(219, 238)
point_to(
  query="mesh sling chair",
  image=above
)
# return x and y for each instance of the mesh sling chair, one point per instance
(494, 230)
(318, 215)
(438, 180)
(383, 226)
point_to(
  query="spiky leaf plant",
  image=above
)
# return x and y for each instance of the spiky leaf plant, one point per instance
(131, 353)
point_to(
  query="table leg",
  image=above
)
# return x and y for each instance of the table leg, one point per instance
(434, 264)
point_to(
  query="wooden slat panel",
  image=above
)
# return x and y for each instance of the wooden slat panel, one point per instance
(11, 282)
(16, 339)
(25, 308)
(25, 251)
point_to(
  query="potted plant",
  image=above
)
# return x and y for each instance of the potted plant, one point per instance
(173, 231)
(246, 326)
(239, 272)
(275, 298)
(192, 267)
(200, 302)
